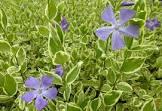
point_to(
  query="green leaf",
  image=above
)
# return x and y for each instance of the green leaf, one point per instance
(95, 104)
(43, 30)
(92, 83)
(73, 107)
(149, 106)
(13, 69)
(3, 19)
(73, 73)
(10, 85)
(5, 99)
(111, 98)
(60, 33)
(51, 10)
(14, 49)
(21, 56)
(54, 43)
(141, 15)
(23, 67)
(2, 79)
(137, 102)
(67, 92)
(61, 57)
(57, 79)
(159, 62)
(101, 45)
(30, 107)
(51, 106)
(120, 107)
(111, 76)
(105, 88)
(60, 7)
(140, 5)
(1, 28)
(158, 102)
(144, 48)
(4, 46)
(123, 86)
(128, 42)
(138, 21)
(132, 65)
(21, 103)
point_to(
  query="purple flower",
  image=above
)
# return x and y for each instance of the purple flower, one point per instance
(64, 24)
(117, 28)
(152, 24)
(127, 3)
(59, 70)
(41, 90)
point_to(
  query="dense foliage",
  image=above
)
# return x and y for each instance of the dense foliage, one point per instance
(59, 50)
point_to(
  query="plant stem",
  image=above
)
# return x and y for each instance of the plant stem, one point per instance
(101, 78)
(106, 48)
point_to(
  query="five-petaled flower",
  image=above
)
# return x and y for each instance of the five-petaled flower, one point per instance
(64, 24)
(41, 90)
(127, 3)
(59, 70)
(117, 28)
(152, 23)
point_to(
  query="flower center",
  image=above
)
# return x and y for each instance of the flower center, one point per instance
(117, 27)
(40, 91)
(151, 23)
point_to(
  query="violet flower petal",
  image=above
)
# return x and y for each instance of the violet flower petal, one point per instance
(40, 103)
(127, 3)
(32, 82)
(152, 24)
(50, 93)
(108, 15)
(149, 24)
(104, 32)
(117, 28)
(59, 70)
(125, 15)
(117, 41)
(156, 22)
(131, 30)
(64, 24)
(46, 81)
(29, 96)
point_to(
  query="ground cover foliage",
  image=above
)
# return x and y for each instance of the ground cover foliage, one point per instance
(57, 49)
